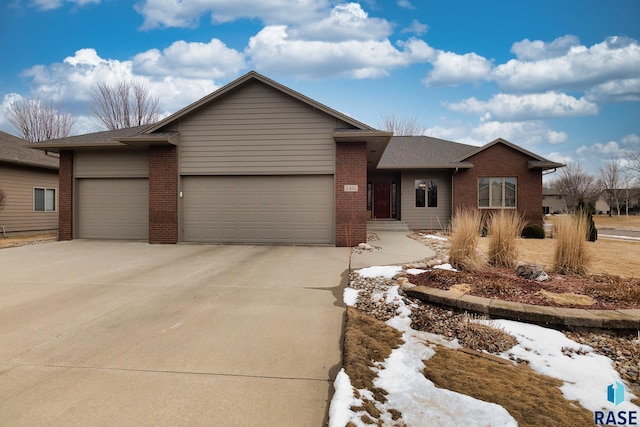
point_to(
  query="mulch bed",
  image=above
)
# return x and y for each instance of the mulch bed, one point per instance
(609, 292)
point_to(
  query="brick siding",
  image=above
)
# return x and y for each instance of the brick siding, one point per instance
(163, 194)
(501, 161)
(351, 207)
(65, 196)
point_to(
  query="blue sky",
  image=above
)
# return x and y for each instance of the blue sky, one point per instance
(560, 78)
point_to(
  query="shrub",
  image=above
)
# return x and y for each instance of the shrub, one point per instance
(465, 235)
(504, 227)
(570, 254)
(533, 231)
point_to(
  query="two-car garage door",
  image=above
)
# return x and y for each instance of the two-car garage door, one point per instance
(258, 209)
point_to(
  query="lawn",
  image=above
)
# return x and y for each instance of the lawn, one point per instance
(608, 256)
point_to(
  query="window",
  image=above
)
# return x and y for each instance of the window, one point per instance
(497, 192)
(44, 199)
(426, 193)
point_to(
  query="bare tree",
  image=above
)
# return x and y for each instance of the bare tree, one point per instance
(3, 197)
(610, 180)
(575, 184)
(634, 162)
(124, 104)
(399, 126)
(37, 120)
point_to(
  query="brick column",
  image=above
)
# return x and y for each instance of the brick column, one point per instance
(163, 194)
(65, 196)
(351, 206)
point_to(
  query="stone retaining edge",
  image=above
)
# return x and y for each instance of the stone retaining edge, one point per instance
(628, 319)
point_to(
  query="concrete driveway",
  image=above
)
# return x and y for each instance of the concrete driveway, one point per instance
(124, 333)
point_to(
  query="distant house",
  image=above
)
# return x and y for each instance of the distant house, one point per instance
(553, 202)
(29, 180)
(256, 162)
(630, 197)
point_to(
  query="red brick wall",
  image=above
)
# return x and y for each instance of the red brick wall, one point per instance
(163, 194)
(65, 196)
(351, 207)
(501, 161)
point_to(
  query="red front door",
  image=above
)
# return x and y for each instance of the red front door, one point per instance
(382, 199)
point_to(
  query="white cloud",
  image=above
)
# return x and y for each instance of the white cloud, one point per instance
(406, 4)
(345, 22)
(7, 100)
(631, 139)
(526, 107)
(186, 13)
(525, 134)
(559, 158)
(616, 58)
(608, 150)
(71, 81)
(627, 90)
(449, 68)
(416, 27)
(55, 4)
(528, 50)
(211, 60)
(273, 51)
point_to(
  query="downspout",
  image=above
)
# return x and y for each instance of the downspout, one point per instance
(452, 192)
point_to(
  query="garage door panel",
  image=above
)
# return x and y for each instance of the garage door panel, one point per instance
(262, 209)
(113, 208)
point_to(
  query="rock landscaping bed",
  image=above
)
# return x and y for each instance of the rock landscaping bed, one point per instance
(606, 292)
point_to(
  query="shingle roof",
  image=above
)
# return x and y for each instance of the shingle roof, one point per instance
(97, 137)
(423, 152)
(15, 150)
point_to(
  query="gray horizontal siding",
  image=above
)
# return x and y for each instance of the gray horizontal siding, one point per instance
(257, 130)
(18, 184)
(111, 164)
(426, 218)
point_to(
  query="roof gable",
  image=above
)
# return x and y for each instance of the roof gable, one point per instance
(253, 76)
(16, 150)
(535, 162)
(511, 145)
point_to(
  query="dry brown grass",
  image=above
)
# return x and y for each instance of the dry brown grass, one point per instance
(367, 341)
(532, 399)
(21, 239)
(504, 227)
(465, 235)
(617, 257)
(570, 255)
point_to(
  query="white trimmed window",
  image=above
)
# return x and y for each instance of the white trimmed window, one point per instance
(497, 193)
(44, 199)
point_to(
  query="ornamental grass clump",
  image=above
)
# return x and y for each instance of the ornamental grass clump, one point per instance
(503, 227)
(465, 235)
(570, 255)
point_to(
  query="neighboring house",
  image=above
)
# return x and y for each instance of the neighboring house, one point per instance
(553, 202)
(256, 162)
(630, 197)
(29, 179)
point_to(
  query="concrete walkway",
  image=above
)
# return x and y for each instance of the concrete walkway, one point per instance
(396, 248)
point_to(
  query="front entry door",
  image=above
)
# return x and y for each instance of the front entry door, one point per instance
(382, 199)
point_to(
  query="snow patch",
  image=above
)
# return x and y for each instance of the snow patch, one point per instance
(585, 376)
(350, 296)
(379, 271)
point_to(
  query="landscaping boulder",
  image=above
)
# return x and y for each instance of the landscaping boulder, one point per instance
(532, 272)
